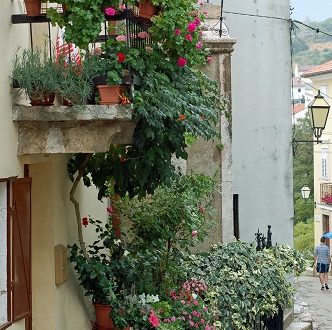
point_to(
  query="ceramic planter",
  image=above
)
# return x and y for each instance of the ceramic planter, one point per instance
(146, 9)
(33, 7)
(109, 94)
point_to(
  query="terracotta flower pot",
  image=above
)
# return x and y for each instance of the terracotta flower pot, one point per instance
(146, 9)
(109, 94)
(39, 99)
(33, 7)
(103, 320)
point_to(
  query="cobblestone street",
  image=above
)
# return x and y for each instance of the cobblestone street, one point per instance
(313, 305)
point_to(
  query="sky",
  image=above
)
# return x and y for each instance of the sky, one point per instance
(316, 10)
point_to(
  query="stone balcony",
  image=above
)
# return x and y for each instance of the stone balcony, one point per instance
(76, 129)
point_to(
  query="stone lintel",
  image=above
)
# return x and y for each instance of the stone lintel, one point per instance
(74, 113)
(218, 45)
(78, 129)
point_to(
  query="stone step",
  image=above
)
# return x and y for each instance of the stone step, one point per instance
(300, 326)
(288, 317)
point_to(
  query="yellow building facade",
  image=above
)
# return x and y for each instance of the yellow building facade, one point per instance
(321, 77)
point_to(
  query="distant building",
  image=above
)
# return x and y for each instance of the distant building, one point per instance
(321, 77)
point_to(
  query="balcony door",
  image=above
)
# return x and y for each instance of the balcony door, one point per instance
(326, 227)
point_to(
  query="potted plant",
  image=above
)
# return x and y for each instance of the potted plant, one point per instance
(104, 271)
(36, 73)
(146, 8)
(33, 7)
(73, 86)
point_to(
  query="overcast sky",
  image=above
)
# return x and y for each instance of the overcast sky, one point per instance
(316, 10)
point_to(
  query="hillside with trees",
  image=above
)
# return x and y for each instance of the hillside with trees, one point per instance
(310, 47)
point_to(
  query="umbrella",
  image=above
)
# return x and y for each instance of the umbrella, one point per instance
(328, 235)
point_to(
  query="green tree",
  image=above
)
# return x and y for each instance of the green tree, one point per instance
(304, 236)
(303, 170)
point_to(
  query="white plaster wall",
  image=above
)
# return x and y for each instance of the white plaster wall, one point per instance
(11, 36)
(3, 253)
(262, 155)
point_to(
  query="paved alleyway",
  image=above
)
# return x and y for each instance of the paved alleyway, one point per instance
(312, 304)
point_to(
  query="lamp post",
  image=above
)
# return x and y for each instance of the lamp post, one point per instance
(318, 113)
(305, 192)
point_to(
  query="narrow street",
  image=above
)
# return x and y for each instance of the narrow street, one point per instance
(313, 305)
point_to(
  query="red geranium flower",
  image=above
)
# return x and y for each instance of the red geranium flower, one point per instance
(121, 57)
(85, 221)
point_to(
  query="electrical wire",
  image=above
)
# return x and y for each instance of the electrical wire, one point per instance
(256, 15)
(313, 87)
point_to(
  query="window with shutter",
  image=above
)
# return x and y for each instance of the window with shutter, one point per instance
(324, 163)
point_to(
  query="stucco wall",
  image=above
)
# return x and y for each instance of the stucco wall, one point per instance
(54, 222)
(11, 37)
(262, 155)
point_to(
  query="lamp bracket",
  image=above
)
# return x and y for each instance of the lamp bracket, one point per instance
(296, 142)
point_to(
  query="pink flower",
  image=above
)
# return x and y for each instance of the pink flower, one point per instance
(154, 321)
(202, 321)
(149, 49)
(177, 32)
(194, 233)
(110, 11)
(191, 323)
(182, 62)
(197, 21)
(182, 302)
(121, 37)
(194, 313)
(209, 59)
(191, 27)
(110, 210)
(143, 35)
(189, 37)
(199, 45)
(195, 302)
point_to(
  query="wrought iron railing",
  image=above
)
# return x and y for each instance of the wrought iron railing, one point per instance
(326, 193)
(275, 322)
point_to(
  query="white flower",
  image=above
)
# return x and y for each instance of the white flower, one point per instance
(194, 295)
(117, 242)
(125, 253)
(152, 298)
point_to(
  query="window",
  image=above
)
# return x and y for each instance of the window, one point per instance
(299, 90)
(324, 163)
(323, 89)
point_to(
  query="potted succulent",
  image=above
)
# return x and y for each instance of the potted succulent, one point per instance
(36, 73)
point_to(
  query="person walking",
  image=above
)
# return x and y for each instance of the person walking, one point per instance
(322, 260)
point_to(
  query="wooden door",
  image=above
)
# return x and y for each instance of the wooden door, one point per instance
(326, 227)
(21, 250)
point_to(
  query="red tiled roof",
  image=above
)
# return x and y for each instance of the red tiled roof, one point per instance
(298, 108)
(319, 69)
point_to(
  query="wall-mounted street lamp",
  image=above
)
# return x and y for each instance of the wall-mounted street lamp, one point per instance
(305, 192)
(318, 113)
